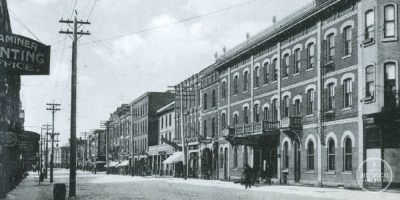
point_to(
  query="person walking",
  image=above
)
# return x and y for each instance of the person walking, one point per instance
(247, 170)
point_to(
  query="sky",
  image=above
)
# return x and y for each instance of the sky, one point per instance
(131, 49)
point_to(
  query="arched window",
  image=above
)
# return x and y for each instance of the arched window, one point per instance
(235, 157)
(235, 119)
(275, 110)
(266, 73)
(310, 54)
(285, 155)
(223, 120)
(310, 155)
(347, 41)
(286, 64)
(347, 154)
(389, 21)
(205, 129)
(245, 115)
(221, 160)
(369, 25)
(286, 106)
(275, 68)
(348, 91)
(266, 114)
(297, 110)
(256, 113)
(331, 154)
(330, 46)
(370, 81)
(223, 90)
(245, 81)
(331, 96)
(235, 85)
(213, 99)
(297, 61)
(257, 77)
(310, 101)
(205, 102)
(213, 128)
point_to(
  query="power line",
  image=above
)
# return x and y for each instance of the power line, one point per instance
(92, 9)
(59, 67)
(23, 25)
(87, 6)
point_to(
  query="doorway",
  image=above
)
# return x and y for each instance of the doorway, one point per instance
(297, 160)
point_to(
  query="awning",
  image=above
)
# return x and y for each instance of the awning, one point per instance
(142, 156)
(113, 164)
(174, 158)
(100, 162)
(123, 163)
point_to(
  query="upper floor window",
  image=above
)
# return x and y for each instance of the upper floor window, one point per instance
(389, 21)
(205, 102)
(297, 109)
(266, 113)
(331, 154)
(370, 81)
(286, 106)
(310, 101)
(331, 96)
(310, 152)
(297, 61)
(256, 113)
(245, 81)
(235, 85)
(245, 115)
(275, 67)
(369, 24)
(275, 110)
(223, 90)
(205, 129)
(286, 65)
(213, 128)
(347, 155)
(266, 73)
(257, 77)
(348, 90)
(330, 46)
(310, 54)
(347, 41)
(170, 119)
(235, 119)
(213, 99)
(390, 93)
(223, 120)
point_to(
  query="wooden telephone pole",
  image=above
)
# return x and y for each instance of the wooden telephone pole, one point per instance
(47, 149)
(53, 108)
(75, 33)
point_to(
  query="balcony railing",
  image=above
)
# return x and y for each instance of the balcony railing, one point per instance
(292, 122)
(270, 126)
(248, 128)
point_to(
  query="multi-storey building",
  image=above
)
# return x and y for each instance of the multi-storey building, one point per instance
(119, 133)
(306, 100)
(65, 156)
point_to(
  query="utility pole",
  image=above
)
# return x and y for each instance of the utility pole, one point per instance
(47, 149)
(107, 125)
(75, 33)
(53, 108)
(84, 154)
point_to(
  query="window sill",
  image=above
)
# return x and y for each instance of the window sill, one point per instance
(368, 42)
(296, 74)
(347, 56)
(233, 169)
(265, 84)
(347, 173)
(274, 81)
(285, 170)
(331, 173)
(245, 91)
(222, 99)
(285, 78)
(368, 100)
(256, 88)
(310, 69)
(391, 39)
(310, 172)
(235, 95)
(310, 115)
(346, 109)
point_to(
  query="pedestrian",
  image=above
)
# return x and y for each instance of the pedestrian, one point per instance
(247, 170)
(41, 178)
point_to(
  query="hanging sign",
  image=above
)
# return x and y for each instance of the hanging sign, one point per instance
(9, 138)
(20, 55)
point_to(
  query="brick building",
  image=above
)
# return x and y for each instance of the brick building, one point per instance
(305, 101)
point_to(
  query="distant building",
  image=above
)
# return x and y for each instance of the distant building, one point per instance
(65, 156)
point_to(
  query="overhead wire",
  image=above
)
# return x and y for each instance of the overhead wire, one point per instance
(23, 25)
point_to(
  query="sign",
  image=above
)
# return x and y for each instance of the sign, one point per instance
(27, 146)
(9, 138)
(20, 55)
(205, 141)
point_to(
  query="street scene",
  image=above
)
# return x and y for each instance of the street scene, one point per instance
(190, 99)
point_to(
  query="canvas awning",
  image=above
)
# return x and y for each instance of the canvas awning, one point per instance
(112, 164)
(123, 163)
(174, 158)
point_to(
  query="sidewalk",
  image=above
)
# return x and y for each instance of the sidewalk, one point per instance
(29, 189)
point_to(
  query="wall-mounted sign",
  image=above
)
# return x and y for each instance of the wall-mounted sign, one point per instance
(9, 138)
(205, 141)
(20, 55)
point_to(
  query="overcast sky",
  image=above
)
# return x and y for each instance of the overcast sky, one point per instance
(118, 70)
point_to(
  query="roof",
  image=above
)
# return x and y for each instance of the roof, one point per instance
(166, 108)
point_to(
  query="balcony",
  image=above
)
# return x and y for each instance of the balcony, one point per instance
(269, 127)
(292, 123)
(248, 128)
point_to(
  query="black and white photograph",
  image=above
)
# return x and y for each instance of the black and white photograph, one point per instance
(199, 99)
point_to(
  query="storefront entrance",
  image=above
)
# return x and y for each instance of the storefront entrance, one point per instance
(265, 162)
(297, 160)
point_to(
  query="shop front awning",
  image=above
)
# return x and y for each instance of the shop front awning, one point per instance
(112, 164)
(123, 163)
(174, 158)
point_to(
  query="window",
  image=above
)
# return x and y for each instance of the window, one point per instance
(369, 24)
(235, 85)
(205, 129)
(223, 90)
(286, 65)
(162, 137)
(221, 160)
(205, 102)
(297, 110)
(285, 155)
(310, 101)
(297, 61)
(274, 65)
(331, 96)
(348, 100)
(331, 154)
(170, 139)
(310, 53)
(389, 21)
(266, 73)
(213, 102)
(310, 155)
(347, 155)
(331, 46)
(347, 41)
(235, 157)
(246, 81)
(170, 120)
(245, 115)
(266, 114)
(286, 106)
(275, 110)
(235, 119)
(245, 156)
(213, 128)
(223, 120)
(390, 95)
(162, 122)
(257, 77)
(370, 81)
(256, 113)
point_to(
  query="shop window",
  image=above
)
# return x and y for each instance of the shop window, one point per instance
(285, 155)
(245, 156)
(310, 155)
(348, 155)
(331, 154)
